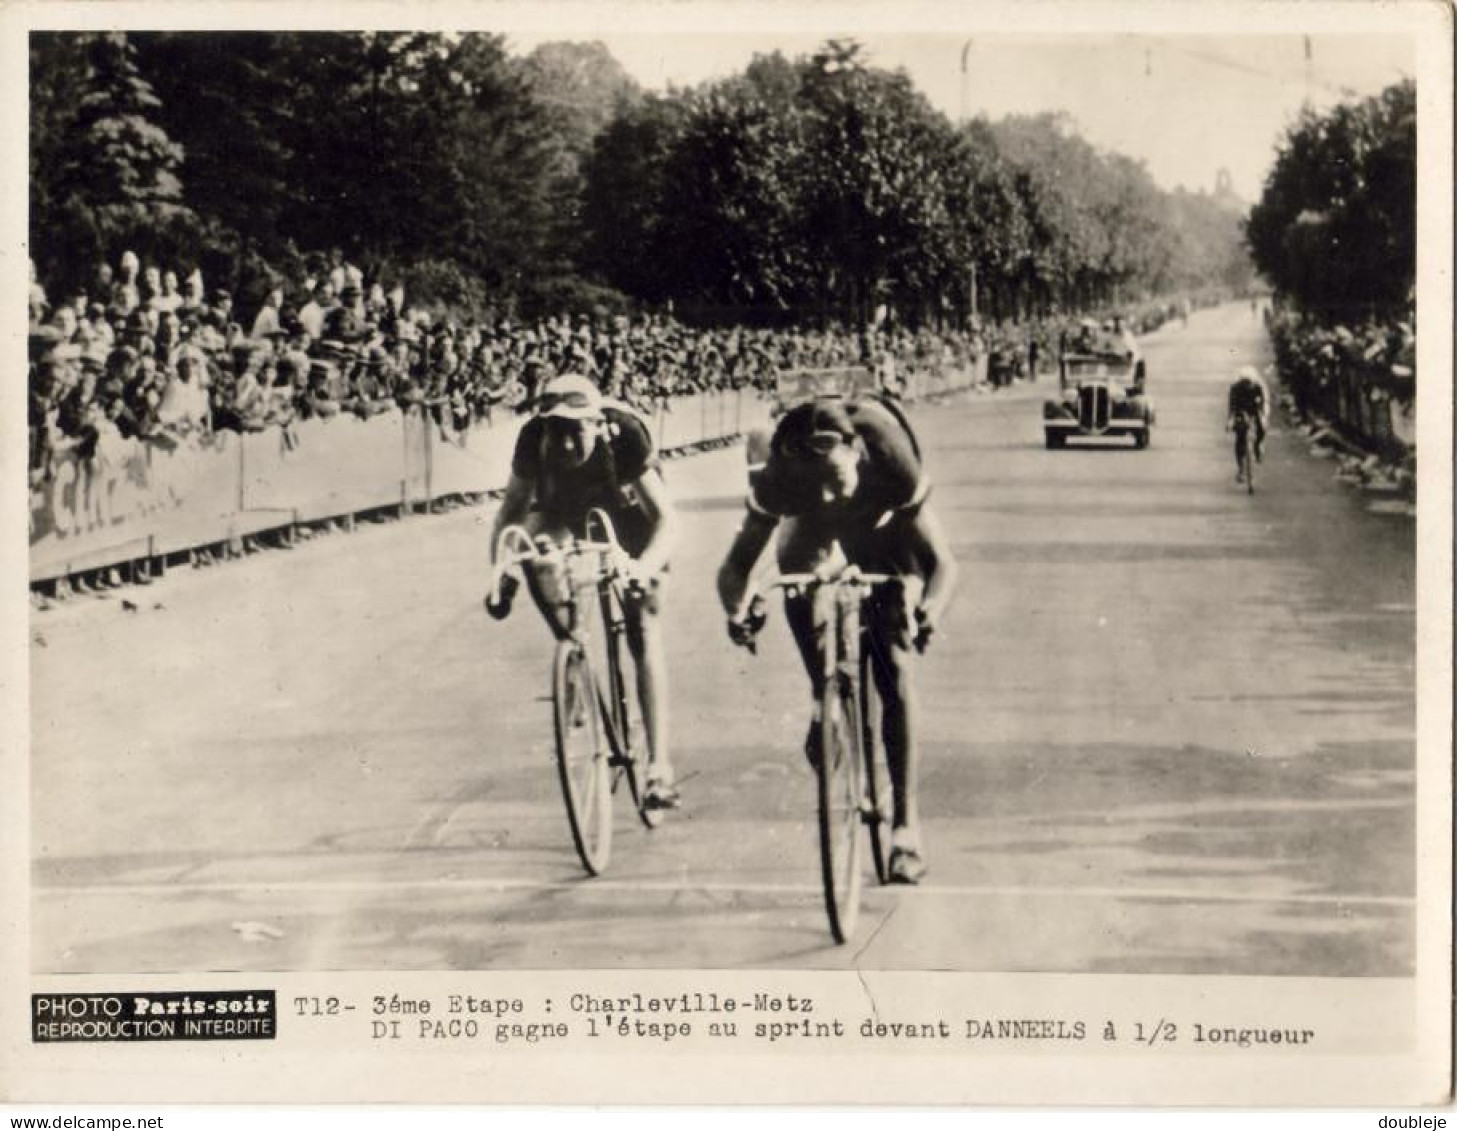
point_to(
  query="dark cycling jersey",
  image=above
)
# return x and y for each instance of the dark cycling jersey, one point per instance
(891, 475)
(623, 455)
(1246, 396)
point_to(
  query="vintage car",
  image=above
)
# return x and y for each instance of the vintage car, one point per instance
(1101, 394)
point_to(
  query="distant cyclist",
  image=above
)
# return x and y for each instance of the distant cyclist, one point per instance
(578, 452)
(1248, 396)
(844, 484)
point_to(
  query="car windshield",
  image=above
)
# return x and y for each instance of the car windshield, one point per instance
(1112, 364)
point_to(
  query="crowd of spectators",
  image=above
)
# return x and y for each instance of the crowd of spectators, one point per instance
(1350, 375)
(142, 355)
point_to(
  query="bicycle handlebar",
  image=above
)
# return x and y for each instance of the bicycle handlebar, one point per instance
(806, 581)
(515, 546)
(745, 625)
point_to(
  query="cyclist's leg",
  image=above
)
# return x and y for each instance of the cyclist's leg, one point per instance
(544, 582)
(891, 623)
(1259, 439)
(893, 665)
(645, 643)
(804, 545)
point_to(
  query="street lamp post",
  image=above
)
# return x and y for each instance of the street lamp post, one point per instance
(965, 61)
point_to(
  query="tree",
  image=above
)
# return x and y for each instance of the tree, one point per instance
(623, 196)
(1335, 227)
(878, 159)
(581, 87)
(114, 168)
(229, 100)
(730, 232)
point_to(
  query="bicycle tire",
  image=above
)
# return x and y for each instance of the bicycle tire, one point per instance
(876, 771)
(840, 794)
(581, 759)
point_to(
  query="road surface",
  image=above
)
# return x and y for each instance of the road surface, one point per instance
(1168, 728)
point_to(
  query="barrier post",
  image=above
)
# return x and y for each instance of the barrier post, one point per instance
(429, 465)
(404, 463)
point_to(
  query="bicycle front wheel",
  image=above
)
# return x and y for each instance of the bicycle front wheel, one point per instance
(581, 757)
(840, 794)
(876, 801)
(626, 733)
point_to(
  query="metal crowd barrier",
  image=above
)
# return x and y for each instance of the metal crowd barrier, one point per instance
(133, 504)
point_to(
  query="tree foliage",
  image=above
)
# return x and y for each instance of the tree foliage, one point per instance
(813, 185)
(109, 169)
(1336, 226)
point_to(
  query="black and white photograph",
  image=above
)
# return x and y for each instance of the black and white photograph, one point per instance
(662, 514)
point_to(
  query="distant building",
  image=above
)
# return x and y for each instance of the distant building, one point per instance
(1224, 194)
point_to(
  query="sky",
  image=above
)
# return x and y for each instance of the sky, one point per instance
(1185, 105)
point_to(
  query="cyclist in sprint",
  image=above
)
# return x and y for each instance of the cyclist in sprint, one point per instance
(1248, 395)
(847, 482)
(578, 452)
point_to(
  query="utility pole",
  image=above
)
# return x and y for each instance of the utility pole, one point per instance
(965, 61)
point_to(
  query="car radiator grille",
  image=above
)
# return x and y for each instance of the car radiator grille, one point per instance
(1093, 407)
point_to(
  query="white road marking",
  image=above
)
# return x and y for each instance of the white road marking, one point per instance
(710, 887)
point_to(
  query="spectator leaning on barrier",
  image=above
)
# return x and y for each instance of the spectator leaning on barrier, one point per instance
(184, 410)
(319, 401)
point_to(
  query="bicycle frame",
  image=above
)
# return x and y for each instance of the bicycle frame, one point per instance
(595, 561)
(837, 604)
(517, 547)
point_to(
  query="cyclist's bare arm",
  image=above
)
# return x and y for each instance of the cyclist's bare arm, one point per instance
(748, 545)
(512, 510)
(654, 494)
(932, 549)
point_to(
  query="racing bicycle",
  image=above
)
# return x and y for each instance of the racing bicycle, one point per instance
(600, 743)
(853, 783)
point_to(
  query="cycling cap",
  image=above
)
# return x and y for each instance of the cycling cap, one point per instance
(571, 396)
(1247, 373)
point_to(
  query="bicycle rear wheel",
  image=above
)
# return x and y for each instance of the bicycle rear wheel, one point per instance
(840, 794)
(581, 757)
(874, 805)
